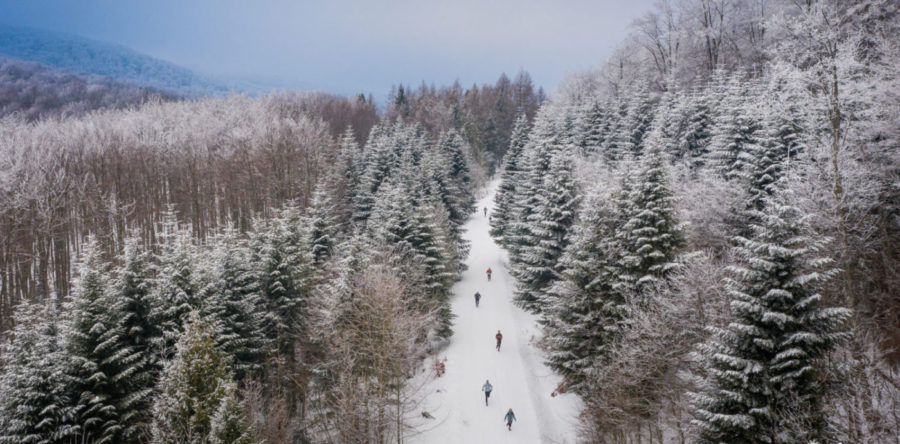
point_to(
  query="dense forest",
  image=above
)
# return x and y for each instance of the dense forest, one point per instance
(236, 269)
(709, 226)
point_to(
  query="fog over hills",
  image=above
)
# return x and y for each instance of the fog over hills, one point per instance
(94, 58)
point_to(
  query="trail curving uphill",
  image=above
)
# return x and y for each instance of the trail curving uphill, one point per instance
(521, 380)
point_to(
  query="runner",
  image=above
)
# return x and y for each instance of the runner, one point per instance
(477, 298)
(509, 418)
(499, 337)
(486, 388)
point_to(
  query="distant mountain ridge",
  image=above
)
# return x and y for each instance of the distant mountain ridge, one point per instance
(85, 56)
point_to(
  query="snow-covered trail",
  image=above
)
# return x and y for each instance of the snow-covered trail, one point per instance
(521, 380)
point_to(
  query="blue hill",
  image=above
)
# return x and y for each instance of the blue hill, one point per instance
(90, 57)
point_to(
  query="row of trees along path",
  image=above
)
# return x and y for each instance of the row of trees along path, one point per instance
(520, 378)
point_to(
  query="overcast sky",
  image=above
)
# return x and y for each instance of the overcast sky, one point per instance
(355, 45)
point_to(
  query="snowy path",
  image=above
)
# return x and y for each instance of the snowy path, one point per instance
(521, 381)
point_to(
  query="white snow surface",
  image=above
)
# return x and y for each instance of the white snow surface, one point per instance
(520, 378)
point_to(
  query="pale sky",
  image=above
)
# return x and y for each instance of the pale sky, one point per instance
(351, 46)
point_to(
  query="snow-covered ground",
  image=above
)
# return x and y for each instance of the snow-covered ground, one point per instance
(521, 380)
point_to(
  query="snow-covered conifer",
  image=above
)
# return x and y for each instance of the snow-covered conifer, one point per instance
(36, 400)
(512, 167)
(192, 390)
(735, 128)
(651, 232)
(102, 359)
(547, 229)
(236, 307)
(761, 369)
(586, 311)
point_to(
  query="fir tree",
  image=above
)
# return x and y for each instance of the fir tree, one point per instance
(638, 118)
(235, 305)
(547, 228)
(509, 177)
(321, 225)
(734, 130)
(192, 390)
(102, 360)
(762, 368)
(693, 142)
(132, 306)
(36, 400)
(586, 311)
(175, 289)
(651, 232)
(227, 425)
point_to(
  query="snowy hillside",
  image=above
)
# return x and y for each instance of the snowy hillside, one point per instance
(90, 57)
(517, 373)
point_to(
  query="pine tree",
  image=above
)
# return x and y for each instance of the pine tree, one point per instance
(586, 312)
(506, 193)
(762, 368)
(36, 401)
(102, 360)
(651, 233)
(547, 228)
(192, 390)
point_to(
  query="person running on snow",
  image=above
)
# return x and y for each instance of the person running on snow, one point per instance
(509, 418)
(499, 337)
(485, 211)
(486, 388)
(477, 298)
(489, 273)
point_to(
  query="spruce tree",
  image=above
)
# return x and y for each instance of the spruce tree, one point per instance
(236, 307)
(638, 118)
(131, 296)
(37, 402)
(586, 312)
(651, 232)
(734, 130)
(102, 360)
(761, 370)
(192, 390)
(175, 289)
(285, 270)
(694, 140)
(512, 167)
(547, 228)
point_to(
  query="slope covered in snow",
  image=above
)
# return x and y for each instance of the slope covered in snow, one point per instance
(84, 56)
(517, 372)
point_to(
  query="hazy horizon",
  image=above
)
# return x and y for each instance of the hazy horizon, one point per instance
(351, 47)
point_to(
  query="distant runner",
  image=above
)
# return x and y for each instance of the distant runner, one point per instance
(509, 418)
(485, 211)
(486, 388)
(499, 337)
(477, 298)
(489, 274)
